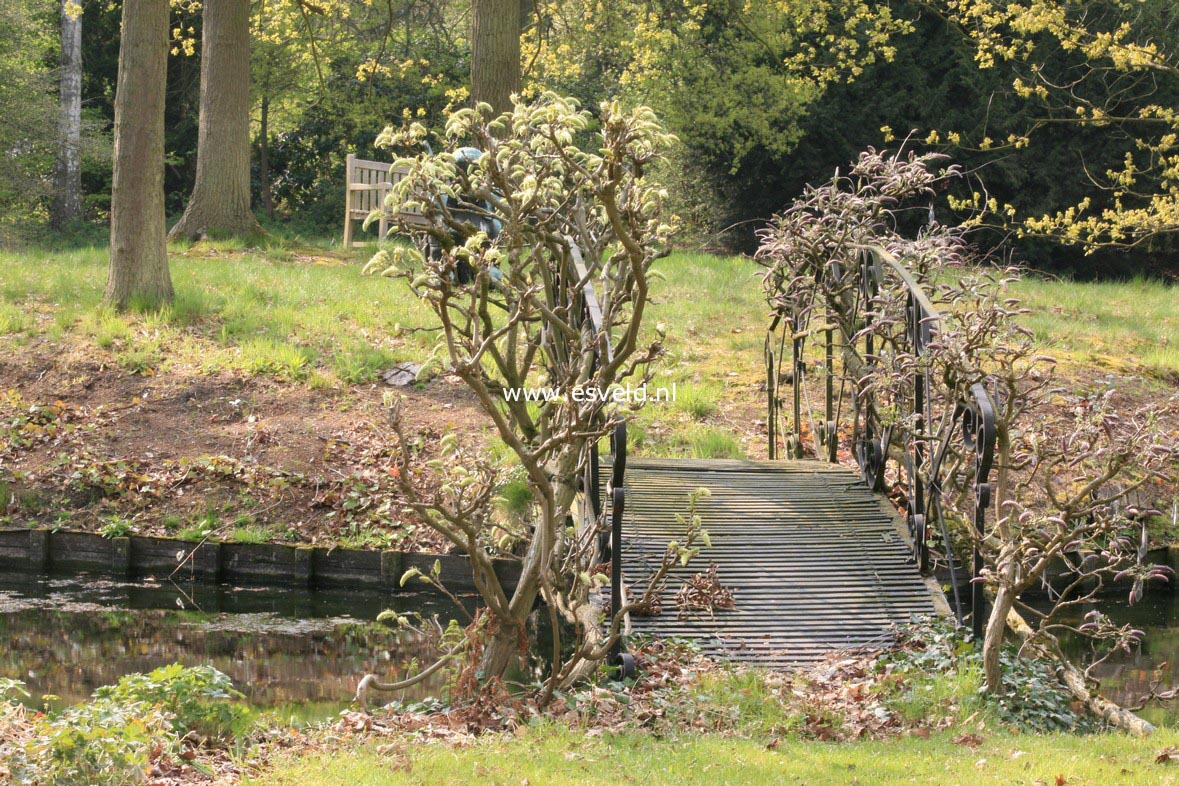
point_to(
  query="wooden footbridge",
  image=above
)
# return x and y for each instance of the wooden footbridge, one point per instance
(818, 559)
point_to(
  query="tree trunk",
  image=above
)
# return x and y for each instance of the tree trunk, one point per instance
(588, 620)
(67, 177)
(138, 255)
(508, 641)
(993, 640)
(220, 201)
(501, 653)
(495, 52)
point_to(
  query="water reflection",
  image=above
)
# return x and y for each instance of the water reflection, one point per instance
(298, 652)
(1127, 677)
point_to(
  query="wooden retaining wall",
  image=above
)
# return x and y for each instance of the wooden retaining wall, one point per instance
(1059, 576)
(244, 564)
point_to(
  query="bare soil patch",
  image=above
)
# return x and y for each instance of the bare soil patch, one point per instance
(84, 442)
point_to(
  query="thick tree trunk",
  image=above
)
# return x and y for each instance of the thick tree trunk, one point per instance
(504, 647)
(495, 52)
(501, 654)
(138, 256)
(67, 176)
(587, 618)
(220, 201)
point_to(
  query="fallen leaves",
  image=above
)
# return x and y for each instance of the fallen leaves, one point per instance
(968, 739)
(398, 754)
(704, 592)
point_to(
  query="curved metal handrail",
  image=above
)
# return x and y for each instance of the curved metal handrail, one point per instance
(872, 436)
(609, 542)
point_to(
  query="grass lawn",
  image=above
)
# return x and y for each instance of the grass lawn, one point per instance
(301, 314)
(558, 756)
(1115, 325)
(294, 315)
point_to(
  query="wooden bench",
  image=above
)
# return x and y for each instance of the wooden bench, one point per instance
(368, 183)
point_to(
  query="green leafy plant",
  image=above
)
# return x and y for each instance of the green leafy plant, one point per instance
(12, 320)
(362, 364)
(143, 357)
(248, 531)
(710, 443)
(116, 527)
(278, 359)
(1033, 699)
(937, 667)
(12, 690)
(698, 401)
(202, 528)
(199, 700)
(100, 743)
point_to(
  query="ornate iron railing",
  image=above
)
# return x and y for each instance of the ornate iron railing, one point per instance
(609, 539)
(921, 449)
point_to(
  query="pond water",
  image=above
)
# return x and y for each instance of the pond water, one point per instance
(300, 653)
(296, 652)
(1127, 677)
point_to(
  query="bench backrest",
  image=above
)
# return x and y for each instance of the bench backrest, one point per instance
(368, 182)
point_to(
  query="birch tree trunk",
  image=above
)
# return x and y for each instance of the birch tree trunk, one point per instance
(220, 201)
(67, 176)
(138, 272)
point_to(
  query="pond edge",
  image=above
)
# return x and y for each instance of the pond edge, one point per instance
(245, 564)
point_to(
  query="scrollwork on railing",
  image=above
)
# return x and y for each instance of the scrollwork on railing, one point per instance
(877, 327)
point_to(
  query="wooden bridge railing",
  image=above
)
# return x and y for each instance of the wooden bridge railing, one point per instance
(920, 452)
(367, 183)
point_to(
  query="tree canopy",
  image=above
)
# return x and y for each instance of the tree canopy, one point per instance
(1062, 114)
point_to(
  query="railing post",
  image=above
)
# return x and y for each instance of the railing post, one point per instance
(617, 509)
(831, 435)
(978, 597)
(980, 431)
(795, 447)
(594, 492)
(867, 440)
(349, 165)
(771, 394)
(917, 507)
(981, 434)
